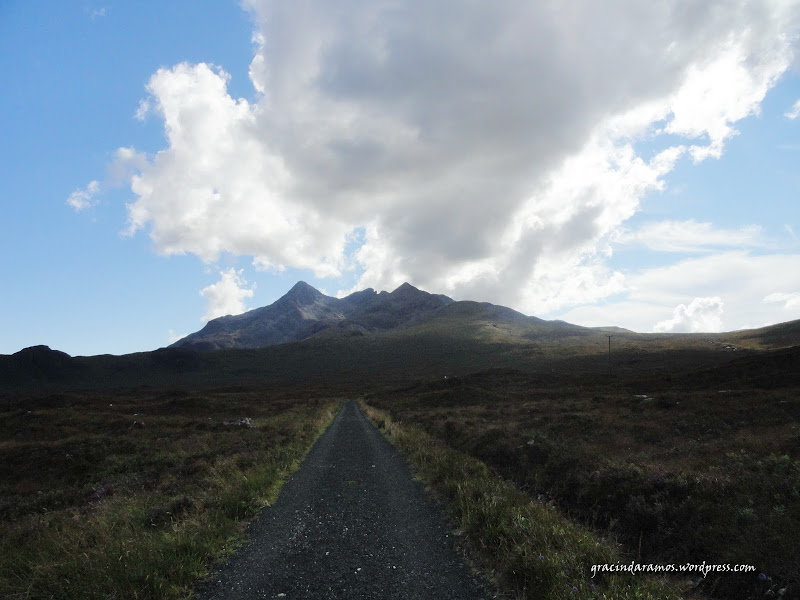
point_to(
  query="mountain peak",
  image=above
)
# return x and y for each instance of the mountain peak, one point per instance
(303, 293)
(302, 286)
(406, 288)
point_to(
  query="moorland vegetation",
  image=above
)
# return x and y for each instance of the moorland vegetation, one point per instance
(136, 493)
(674, 469)
(128, 476)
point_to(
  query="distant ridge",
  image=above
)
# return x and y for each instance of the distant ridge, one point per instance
(309, 338)
(305, 311)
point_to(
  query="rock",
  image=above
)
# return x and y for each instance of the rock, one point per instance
(244, 422)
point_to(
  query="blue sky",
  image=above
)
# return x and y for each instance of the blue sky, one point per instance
(479, 152)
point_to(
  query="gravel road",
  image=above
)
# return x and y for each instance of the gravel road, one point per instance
(350, 523)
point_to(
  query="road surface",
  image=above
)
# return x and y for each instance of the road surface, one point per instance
(350, 523)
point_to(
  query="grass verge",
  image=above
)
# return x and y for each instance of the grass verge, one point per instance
(137, 495)
(529, 547)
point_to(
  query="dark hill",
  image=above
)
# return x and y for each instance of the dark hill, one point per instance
(772, 336)
(766, 370)
(38, 363)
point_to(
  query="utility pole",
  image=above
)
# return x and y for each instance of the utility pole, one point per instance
(609, 352)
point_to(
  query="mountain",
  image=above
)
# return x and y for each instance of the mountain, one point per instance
(305, 311)
(373, 339)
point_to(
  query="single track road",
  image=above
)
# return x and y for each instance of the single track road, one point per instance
(350, 523)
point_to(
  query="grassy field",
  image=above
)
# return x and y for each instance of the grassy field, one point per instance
(134, 494)
(682, 448)
(674, 473)
(528, 549)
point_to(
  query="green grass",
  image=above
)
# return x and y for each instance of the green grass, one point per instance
(529, 547)
(93, 506)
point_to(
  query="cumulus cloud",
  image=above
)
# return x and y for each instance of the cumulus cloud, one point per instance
(704, 106)
(487, 150)
(83, 199)
(701, 315)
(691, 236)
(227, 296)
(742, 278)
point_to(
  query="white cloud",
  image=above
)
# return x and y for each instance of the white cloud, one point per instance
(488, 150)
(743, 279)
(126, 166)
(226, 297)
(701, 315)
(789, 301)
(690, 236)
(83, 199)
(794, 112)
(219, 187)
(723, 90)
(128, 163)
(142, 110)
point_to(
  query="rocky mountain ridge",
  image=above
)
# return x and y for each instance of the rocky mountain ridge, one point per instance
(305, 311)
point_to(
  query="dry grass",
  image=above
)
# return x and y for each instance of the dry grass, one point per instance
(529, 548)
(134, 494)
(676, 476)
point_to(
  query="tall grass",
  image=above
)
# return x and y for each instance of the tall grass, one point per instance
(146, 511)
(529, 547)
(675, 475)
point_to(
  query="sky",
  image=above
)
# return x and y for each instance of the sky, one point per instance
(619, 163)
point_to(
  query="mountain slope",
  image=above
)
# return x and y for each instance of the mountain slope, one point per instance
(299, 314)
(305, 311)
